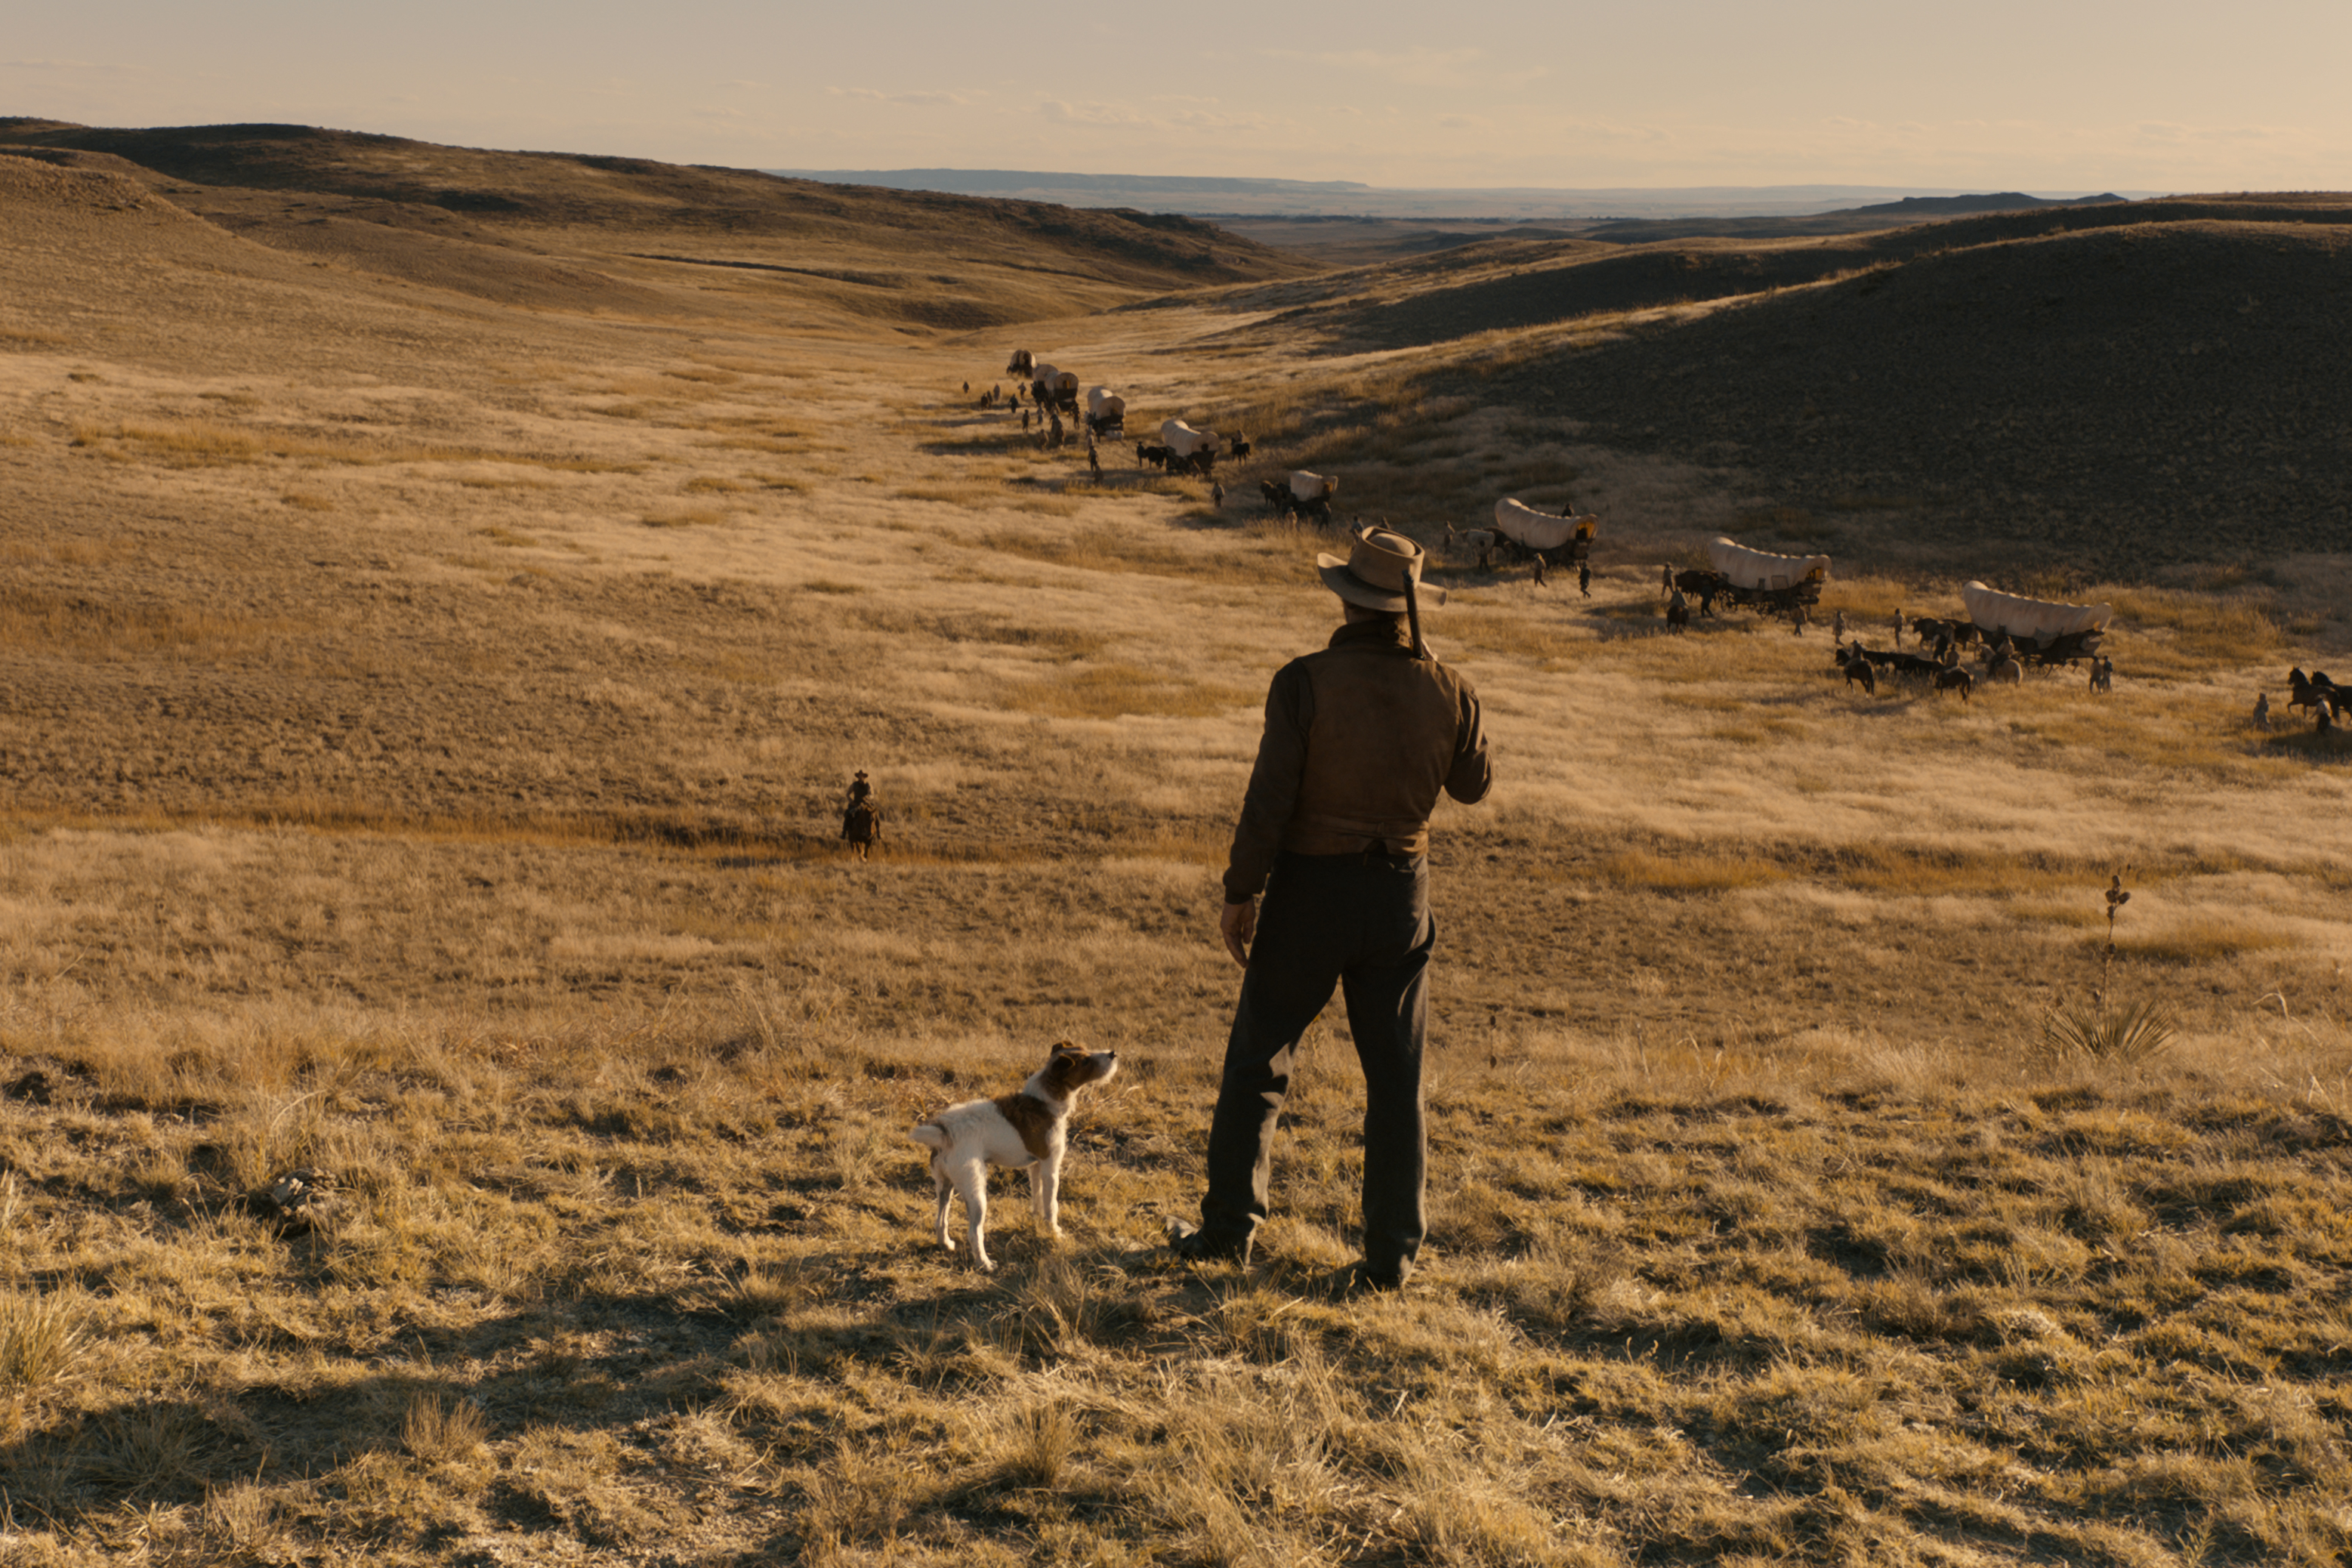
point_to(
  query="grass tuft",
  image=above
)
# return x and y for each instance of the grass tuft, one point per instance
(41, 1339)
(436, 1430)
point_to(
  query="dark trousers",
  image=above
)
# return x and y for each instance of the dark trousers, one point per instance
(1361, 923)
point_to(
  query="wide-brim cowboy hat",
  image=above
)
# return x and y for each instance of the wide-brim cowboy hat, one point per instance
(1375, 570)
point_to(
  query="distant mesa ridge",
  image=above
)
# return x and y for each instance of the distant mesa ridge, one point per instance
(1219, 196)
(2005, 202)
(994, 182)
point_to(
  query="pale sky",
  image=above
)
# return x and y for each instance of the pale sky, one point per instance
(2049, 96)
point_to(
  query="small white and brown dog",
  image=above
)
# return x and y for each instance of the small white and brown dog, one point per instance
(1028, 1130)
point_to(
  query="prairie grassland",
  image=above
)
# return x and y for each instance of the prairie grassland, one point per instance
(502, 897)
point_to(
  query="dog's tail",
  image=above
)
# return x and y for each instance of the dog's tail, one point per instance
(930, 1134)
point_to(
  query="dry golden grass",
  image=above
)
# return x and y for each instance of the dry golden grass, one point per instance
(201, 444)
(1686, 874)
(505, 897)
(670, 1282)
(79, 628)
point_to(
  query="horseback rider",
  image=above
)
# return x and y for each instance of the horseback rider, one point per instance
(861, 816)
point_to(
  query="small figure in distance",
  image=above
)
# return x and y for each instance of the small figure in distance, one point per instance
(1584, 578)
(1667, 578)
(2263, 710)
(2103, 673)
(967, 389)
(1898, 626)
(1678, 613)
(1797, 621)
(1837, 630)
(861, 817)
(1216, 495)
(1025, 420)
(1540, 569)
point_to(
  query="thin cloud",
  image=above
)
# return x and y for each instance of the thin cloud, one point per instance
(2166, 133)
(1457, 70)
(1121, 116)
(1200, 120)
(1063, 113)
(918, 100)
(99, 66)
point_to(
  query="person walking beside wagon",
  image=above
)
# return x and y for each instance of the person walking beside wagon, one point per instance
(1360, 739)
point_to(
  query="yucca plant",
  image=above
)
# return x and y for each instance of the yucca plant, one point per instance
(2092, 1030)
(2095, 1031)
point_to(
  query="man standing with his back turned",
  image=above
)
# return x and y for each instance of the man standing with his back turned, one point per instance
(1359, 739)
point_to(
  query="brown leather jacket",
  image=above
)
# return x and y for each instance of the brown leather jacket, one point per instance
(1360, 738)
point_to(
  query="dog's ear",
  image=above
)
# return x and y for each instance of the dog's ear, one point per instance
(1064, 1066)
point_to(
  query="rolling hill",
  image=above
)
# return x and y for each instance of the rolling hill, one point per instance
(2109, 390)
(560, 229)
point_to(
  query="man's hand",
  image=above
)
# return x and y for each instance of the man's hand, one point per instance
(1239, 924)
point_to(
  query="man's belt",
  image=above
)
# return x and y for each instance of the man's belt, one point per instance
(1320, 833)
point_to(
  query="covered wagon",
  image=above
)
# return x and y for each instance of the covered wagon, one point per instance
(1022, 364)
(1188, 448)
(1105, 411)
(1756, 579)
(2043, 631)
(1540, 533)
(1055, 388)
(1310, 494)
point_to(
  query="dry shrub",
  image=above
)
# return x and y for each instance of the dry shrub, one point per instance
(157, 1445)
(42, 1336)
(1040, 1444)
(436, 1430)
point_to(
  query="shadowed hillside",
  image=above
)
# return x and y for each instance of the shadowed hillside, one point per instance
(1519, 282)
(2113, 400)
(2110, 391)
